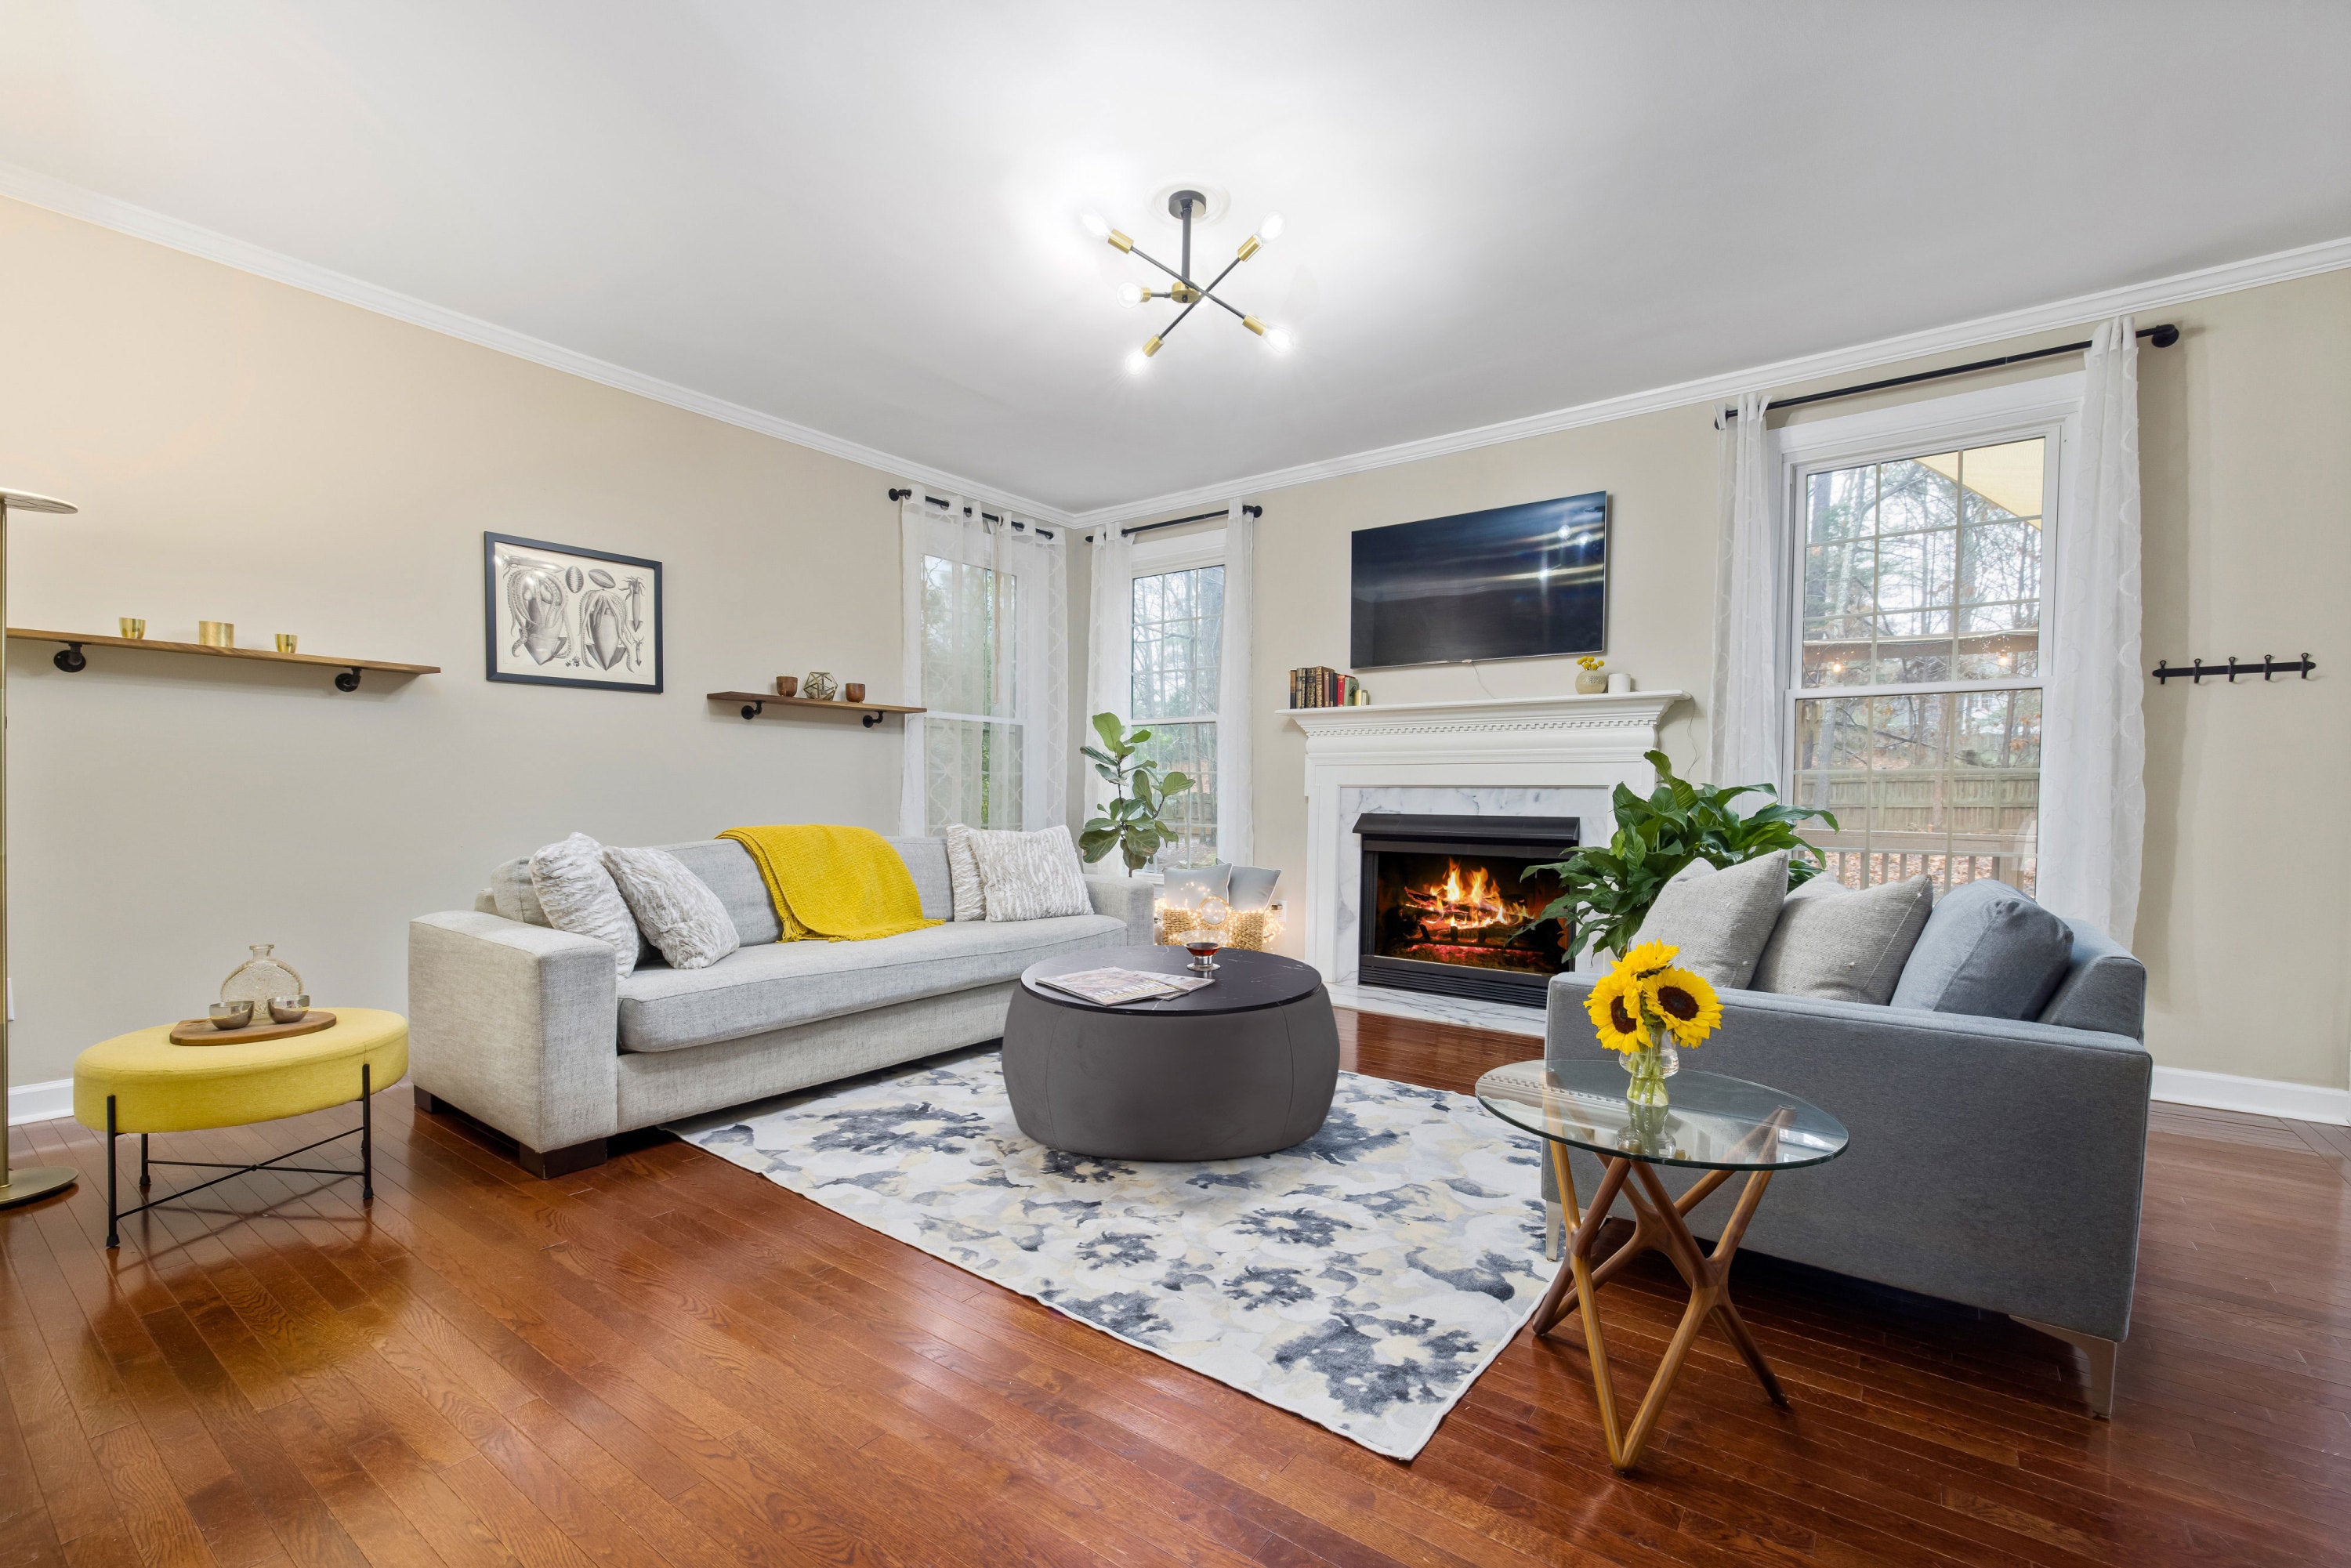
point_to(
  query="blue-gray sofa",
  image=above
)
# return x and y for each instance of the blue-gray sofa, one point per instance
(1994, 1162)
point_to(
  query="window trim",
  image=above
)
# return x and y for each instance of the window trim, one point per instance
(943, 538)
(2049, 407)
(1156, 558)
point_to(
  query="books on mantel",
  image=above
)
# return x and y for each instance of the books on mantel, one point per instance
(1320, 685)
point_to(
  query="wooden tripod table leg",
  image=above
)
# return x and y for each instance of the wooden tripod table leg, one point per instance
(1657, 1225)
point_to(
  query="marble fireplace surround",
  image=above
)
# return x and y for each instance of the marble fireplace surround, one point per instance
(1512, 756)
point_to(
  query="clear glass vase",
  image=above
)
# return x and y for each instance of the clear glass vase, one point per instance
(1649, 1069)
(260, 977)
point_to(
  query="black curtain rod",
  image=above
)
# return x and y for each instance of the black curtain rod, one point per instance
(1042, 533)
(1178, 522)
(2163, 337)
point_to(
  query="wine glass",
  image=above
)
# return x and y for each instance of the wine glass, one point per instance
(1208, 935)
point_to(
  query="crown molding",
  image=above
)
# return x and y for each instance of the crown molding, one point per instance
(39, 190)
(56, 195)
(2328, 256)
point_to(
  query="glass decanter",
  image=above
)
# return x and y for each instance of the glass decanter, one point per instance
(260, 977)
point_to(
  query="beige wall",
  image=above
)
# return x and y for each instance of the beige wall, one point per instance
(245, 451)
(2246, 920)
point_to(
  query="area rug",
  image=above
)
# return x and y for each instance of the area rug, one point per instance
(1362, 1280)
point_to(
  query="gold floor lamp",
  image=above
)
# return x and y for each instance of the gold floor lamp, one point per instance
(24, 1184)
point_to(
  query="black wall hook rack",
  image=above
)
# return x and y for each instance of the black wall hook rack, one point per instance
(2166, 671)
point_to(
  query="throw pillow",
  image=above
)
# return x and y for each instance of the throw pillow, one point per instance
(964, 895)
(1722, 922)
(1848, 947)
(579, 895)
(679, 912)
(1031, 876)
(512, 895)
(1252, 887)
(1987, 950)
(1186, 889)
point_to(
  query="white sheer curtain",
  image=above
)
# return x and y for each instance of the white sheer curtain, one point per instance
(2093, 738)
(1110, 644)
(1745, 742)
(1234, 686)
(986, 640)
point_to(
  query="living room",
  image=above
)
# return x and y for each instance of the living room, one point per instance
(626, 551)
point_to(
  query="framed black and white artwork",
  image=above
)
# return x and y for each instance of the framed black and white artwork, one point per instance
(556, 615)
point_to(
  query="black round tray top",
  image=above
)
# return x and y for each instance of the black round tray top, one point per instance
(1245, 981)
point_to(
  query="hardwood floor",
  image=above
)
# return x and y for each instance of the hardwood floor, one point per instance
(670, 1361)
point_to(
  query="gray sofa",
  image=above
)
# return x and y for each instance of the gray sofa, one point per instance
(524, 1027)
(1995, 1163)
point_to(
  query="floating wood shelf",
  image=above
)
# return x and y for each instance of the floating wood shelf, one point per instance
(71, 659)
(753, 702)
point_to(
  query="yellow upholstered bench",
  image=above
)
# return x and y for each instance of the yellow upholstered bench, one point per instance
(141, 1082)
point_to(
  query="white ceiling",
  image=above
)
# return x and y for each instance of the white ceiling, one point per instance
(864, 219)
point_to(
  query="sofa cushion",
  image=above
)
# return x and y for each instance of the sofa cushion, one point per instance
(782, 984)
(1252, 886)
(1720, 922)
(1987, 950)
(1845, 947)
(927, 862)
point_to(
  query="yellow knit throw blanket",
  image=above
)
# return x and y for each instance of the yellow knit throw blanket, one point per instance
(834, 885)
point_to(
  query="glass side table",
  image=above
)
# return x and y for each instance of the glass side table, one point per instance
(1716, 1124)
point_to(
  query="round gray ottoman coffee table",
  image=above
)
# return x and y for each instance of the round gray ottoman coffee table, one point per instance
(1242, 1067)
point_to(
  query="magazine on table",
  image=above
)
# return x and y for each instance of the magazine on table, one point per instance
(1108, 987)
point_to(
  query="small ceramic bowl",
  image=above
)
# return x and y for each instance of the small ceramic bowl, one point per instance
(853, 692)
(788, 685)
(232, 1015)
(289, 1009)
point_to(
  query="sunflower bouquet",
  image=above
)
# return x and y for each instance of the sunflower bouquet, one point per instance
(1644, 1008)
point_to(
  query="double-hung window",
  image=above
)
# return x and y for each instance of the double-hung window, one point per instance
(984, 605)
(1177, 649)
(1916, 707)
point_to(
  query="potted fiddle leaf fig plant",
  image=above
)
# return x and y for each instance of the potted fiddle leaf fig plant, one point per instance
(1607, 892)
(1131, 822)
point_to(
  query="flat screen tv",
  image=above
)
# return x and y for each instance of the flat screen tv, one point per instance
(1515, 582)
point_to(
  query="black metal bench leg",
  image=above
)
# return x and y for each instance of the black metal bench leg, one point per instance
(367, 1135)
(112, 1238)
(144, 1181)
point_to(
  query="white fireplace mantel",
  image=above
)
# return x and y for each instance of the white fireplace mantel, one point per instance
(1480, 754)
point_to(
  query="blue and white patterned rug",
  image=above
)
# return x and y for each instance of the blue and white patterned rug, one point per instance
(1362, 1280)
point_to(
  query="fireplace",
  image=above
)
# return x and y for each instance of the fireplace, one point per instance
(1449, 904)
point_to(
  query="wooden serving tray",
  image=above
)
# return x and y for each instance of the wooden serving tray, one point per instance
(199, 1031)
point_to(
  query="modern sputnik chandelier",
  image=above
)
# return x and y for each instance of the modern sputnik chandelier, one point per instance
(1183, 291)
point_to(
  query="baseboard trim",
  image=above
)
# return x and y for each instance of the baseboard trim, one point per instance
(2261, 1096)
(40, 1101)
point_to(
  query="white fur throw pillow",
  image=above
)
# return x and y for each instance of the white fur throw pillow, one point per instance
(578, 895)
(963, 875)
(679, 912)
(1030, 877)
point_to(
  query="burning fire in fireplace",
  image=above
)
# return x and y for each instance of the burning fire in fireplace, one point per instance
(1462, 905)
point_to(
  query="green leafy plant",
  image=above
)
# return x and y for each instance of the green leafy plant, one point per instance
(1132, 825)
(1608, 893)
